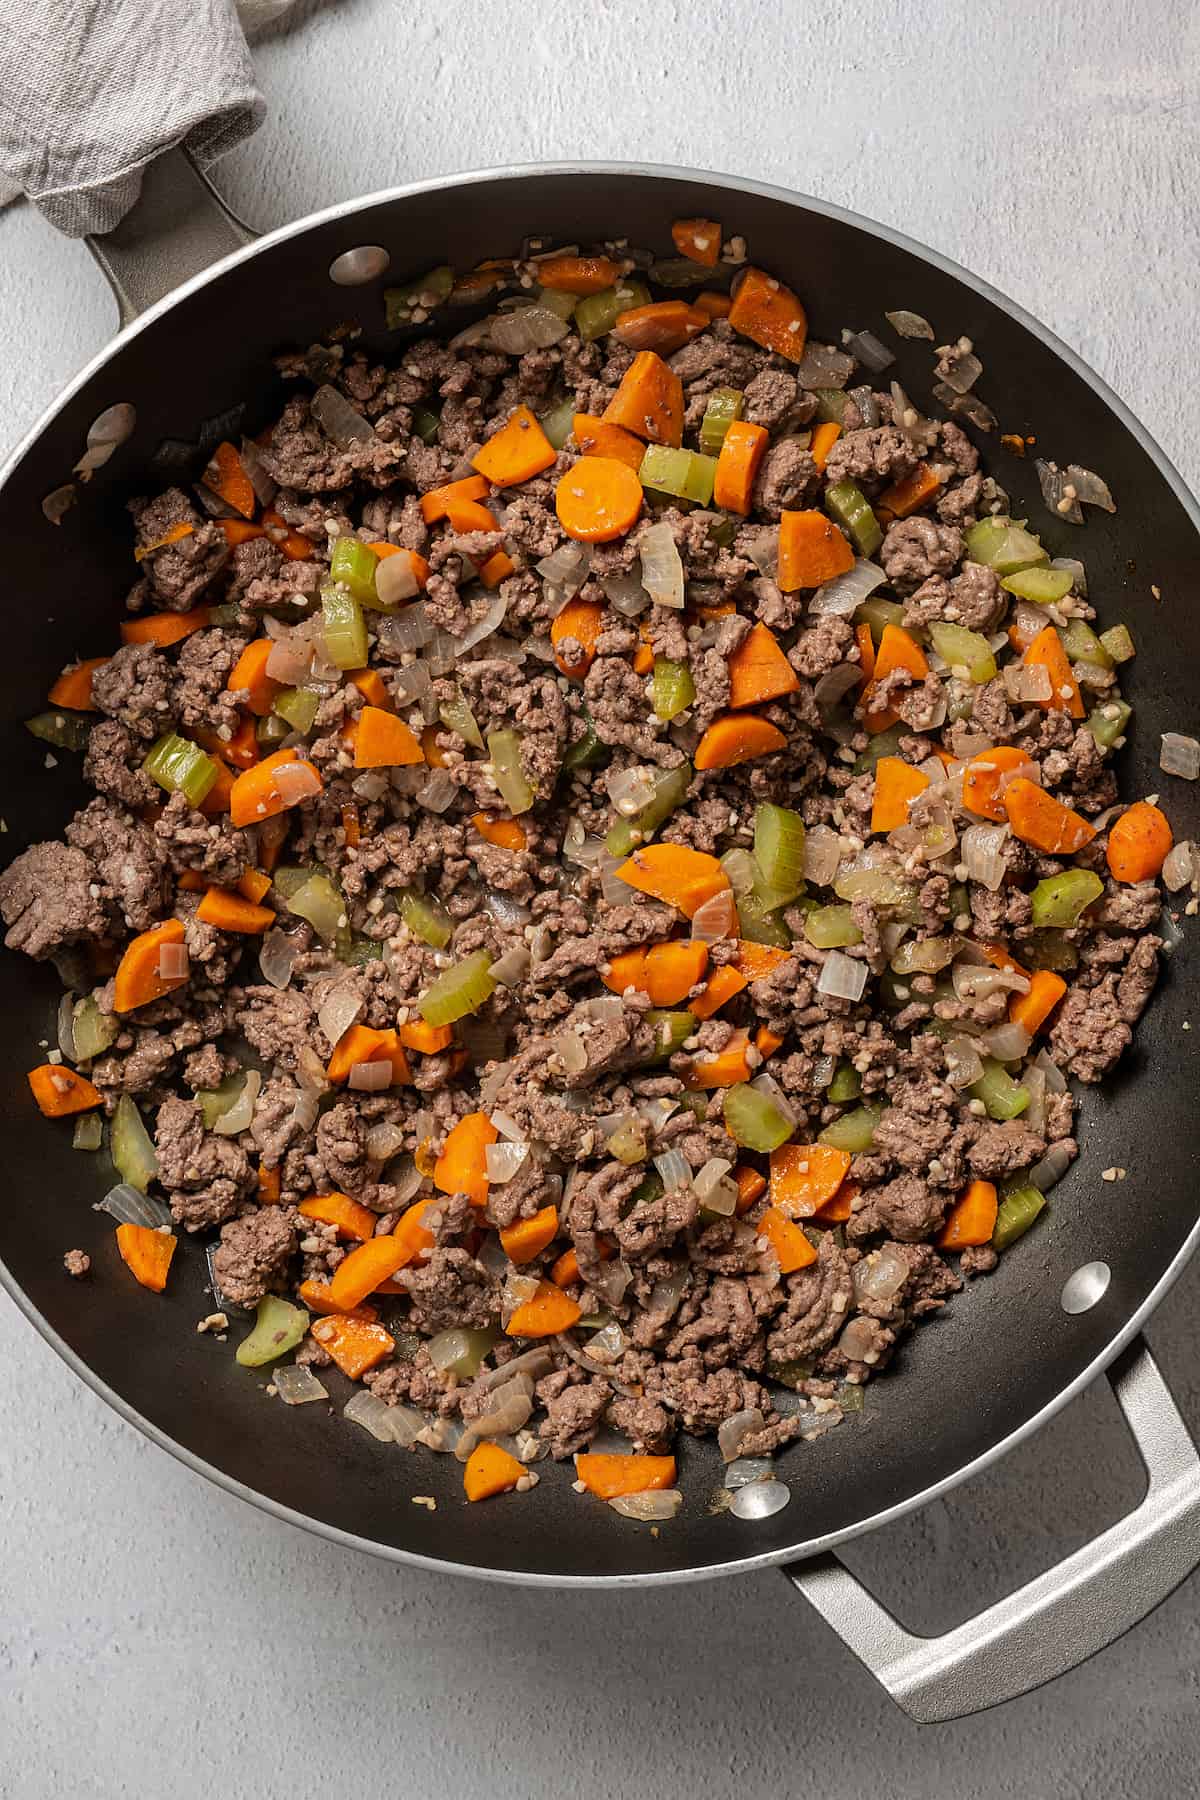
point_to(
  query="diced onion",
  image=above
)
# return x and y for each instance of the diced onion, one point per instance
(504, 1160)
(842, 977)
(881, 1274)
(711, 1176)
(511, 968)
(674, 1170)
(836, 683)
(290, 659)
(1007, 1042)
(1052, 1167)
(1075, 569)
(869, 351)
(566, 568)
(517, 1290)
(172, 961)
(760, 1500)
(666, 1295)
(438, 791)
(654, 1504)
(625, 594)
(867, 402)
(124, 1204)
(733, 1431)
(66, 1027)
(909, 324)
(339, 1011)
(841, 595)
(974, 981)
(964, 372)
(614, 891)
(609, 1343)
(295, 782)
(630, 790)
(1090, 490)
(1055, 1079)
(528, 328)
(372, 1413)
(569, 1048)
(1053, 483)
(410, 630)
(238, 1117)
(964, 1065)
(396, 580)
(1029, 684)
(611, 1280)
(715, 918)
(337, 418)
(662, 568)
(761, 545)
(276, 957)
(982, 851)
(490, 622)
(920, 431)
(822, 855)
(297, 1386)
(1180, 866)
(1180, 756)
(822, 366)
(370, 1077)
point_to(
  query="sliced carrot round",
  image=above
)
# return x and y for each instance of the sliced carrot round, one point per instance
(597, 500)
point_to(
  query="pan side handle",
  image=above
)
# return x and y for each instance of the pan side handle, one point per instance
(1064, 1616)
(179, 227)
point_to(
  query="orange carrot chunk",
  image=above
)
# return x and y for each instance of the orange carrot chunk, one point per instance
(498, 567)
(751, 1185)
(721, 986)
(363, 1044)
(527, 1238)
(735, 738)
(738, 464)
(355, 1345)
(439, 501)
(769, 314)
(490, 1470)
(73, 689)
(972, 1218)
(1032, 1010)
(811, 551)
(506, 834)
(726, 1069)
(147, 1254)
(239, 531)
(545, 1315)
(577, 274)
(1138, 843)
(805, 1176)
(897, 784)
(824, 437)
(139, 978)
(279, 781)
(898, 649)
(226, 476)
(908, 496)
(165, 629)
(58, 1090)
(697, 239)
(610, 1474)
(1046, 651)
(984, 777)
(383, 741)
(595, 438)
(791, 1248)
(228, 911)
(351, 1219)
(672, 970)
(462, 1166)
(1038, 819)
(578, 622)
(598, 499)
(756, 960)
(518, 451)
(649, 401)
(716, 306)
(361, 1272)
(676, 874)
(664, 325)
(315, 1295)
(370, 685)
(759, 671)
(412, 1235)
(427, 1039)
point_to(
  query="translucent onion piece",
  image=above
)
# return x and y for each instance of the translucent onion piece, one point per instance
(491, 622)
(534, 1363)
(1179, 756)
(239, 1116)
(1180, 866)
(964, 1065)
(1053, 483)
(822, 855)
(372, 1413)
(339, 1011)
(66, 1027)
(768, 1086)
(1027, 684)
(982, 852)
(528, 328)
(666, 1295)
(124, 1204)
(511, 969)
(869, 351)
(370, 1077)
(909, 324)
(614, 891)
(395, 580)
(504, 1160)
(384, 1141)
(611, 1280)
(867, 402)
(761, 545)
(674, 1170)
(842, 977)
(412, 630)
(290, 659)
(304, 1113)
(607, 1344)
(841, 595)
(297, 1386)
(662, 568)
(173, 961)
(1055, 1079)
(715, 919)
(1090, 490)
(566, 568)
(1051, 1169)
(974, 981)
(964, 373)
(655, 1504)
(711, 1175)
(337, 418)
(733, 1431)
(405, 1177)
(835, 684)
(438, 791)
(295, 782)
(881, 1274)
(822, 366)
(630, 790)
(920, 431)
(625, 594)
(1007, 1042)
(967, 406)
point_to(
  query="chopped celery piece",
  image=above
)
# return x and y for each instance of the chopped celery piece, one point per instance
(585, 752)
(1049, 950)
(831, 928)
(1004, 546)
(321, 903)
(682, 473)
(180, 767)
(755, 1120)
(214, 1103)
(287, 880)
(882, 886)
(851, 1396)
(779, 848)
(854, 1131)
(425, 424)
(130, 1146)
(555, 300)
(964, 649)
(426, 919)
(846, 1084)
(831, 405)
(344, 627)
(1082, 645)
(65, 730)
(760, 924)
(671, 1030)
(884, 743)
(846, 503)
(684, 272)
(461, 1350)
(724, 406)
(1059, 899)
(462, 989)
(1042, 586)
(960, 900)
(402, 303)
(299, 707)
(1001, 1095)
(226, 614)
(1118, 642)
(1107, 723)
(557, 423)
(270, 731)
(597, 313)
(1015, 1215)
(278, 1328)
(645, 1193)
(723, 530)
(672, 688)
(628, 1141)
(87, 1133)
(504, 749)
(877, 612)
(670, 790)
(92, 1029)
(354, 563)
(456, 715)
(360, 951)
(791, 1373)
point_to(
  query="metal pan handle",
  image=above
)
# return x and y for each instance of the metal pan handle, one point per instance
(1064, 1616)
(179, 227)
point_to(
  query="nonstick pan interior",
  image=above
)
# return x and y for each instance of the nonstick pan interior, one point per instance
(1004, 1351)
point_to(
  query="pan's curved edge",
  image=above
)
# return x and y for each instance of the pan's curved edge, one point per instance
(1128, 1331)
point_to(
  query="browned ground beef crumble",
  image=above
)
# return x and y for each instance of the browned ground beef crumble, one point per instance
(707, 1325)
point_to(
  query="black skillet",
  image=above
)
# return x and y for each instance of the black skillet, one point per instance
(1007, 1354)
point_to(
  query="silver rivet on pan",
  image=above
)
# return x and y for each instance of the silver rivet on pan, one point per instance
(354, 267)
(1085, 1287)
(759, 1499)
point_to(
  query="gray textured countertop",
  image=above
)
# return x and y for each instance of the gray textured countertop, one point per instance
(159, 1637)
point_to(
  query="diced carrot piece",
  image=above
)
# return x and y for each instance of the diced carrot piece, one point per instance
(675, 874)
(736, 738)
(73, 689)
(256, 794)
(649, 401)
(462, 1166)
(363, 1044)
(370, 685)
(518, 451)
(579, 621)
(416, 562)
(908, 496)
(253, 884)
(751, 1186)
(643, 656)
(972, 1218)
(549, 1312)
(766, 1041)
(577, 274)
(219, 797)
(596, 438)
(898, 649)
(792, 1249)
(1046, 651)
(897, 785)
(239, 531)
(759, 671)
(241, 751)
(738, 464)
(58, 1090)
(527, 1238)
(769, 314)
(1039, 819)
(427, 1039)
(498, 567)
(226, 476)
(354, 1345)
(663, 325)
(295, 546)
(837, 1210)
(866, 651)
(627, 970)
(756, 960)
(383, 741)
(717, 306)
(147, 1254)
(165, 629)
(726, 1069)
(721, 986)
(412, 1235)
(805, 1176)
(982, 778)
(436, 504)
(227, 911)
(697, 239)
(1032, 1010)
(361, 1272)
(811, 551)
(351, 1219)
(824, 437)
(610, 1474)
(138, 979)
(270, 1186)
(490, 1470)
(506, 834)
(173, 535)
(1139, 843)
(315, 1295)
(673, 969)
(598, 499)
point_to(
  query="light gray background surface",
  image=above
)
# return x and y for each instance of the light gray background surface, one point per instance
(157, 1637)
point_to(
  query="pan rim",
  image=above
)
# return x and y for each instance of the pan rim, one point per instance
(724, 183)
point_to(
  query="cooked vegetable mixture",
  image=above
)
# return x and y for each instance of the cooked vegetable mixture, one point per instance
(604, 853)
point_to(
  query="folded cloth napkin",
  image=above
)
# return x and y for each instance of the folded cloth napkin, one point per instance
(96, 89)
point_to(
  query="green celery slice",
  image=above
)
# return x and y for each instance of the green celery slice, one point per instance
(760, 924)
(92, 1029)
(180, 767)
(130, 1146)
(596, 314)
(1043, 586)
(755, 1120)
(846, 503)
(585, 752)
(884, 743)
(299, 707)
(270, 731)
(65, 730)
(456, 715)
(426, 919)
(344, 627)
(964, 649)
(1015, 1214)
(854, 1131)
(831, 405)
(1001, 1095)
(353, 564)
(831, 928)
(1108, 721)
(846, 1084)
(461, 989)
(672, 687)
(671, 1031)
(279, 1327)
(321, 903)
(427, 291)
(779, 848)
(504, 750)
(214, 1103)
(1118, 642)
(670, 791)
(877, 612)
(1059, 899)
(557, 422)
(88, 1132)
(1004, 546)
(1082, 645)
(461, 1350)
(724, 406)
(1049, 949)
(425, 424)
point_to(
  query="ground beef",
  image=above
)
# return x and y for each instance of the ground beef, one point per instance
(882, 454)
(769, 398)
(206, 1177)
(134, 687)
(49, 898)
(1003, 1149)
(571, 1419)
(77, 1263)
(914, 549)
(786, 475)
(181, 571)
(905, 1209)
(253, 1255)
(113, 766)
(129, 864)
(819, 1301)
